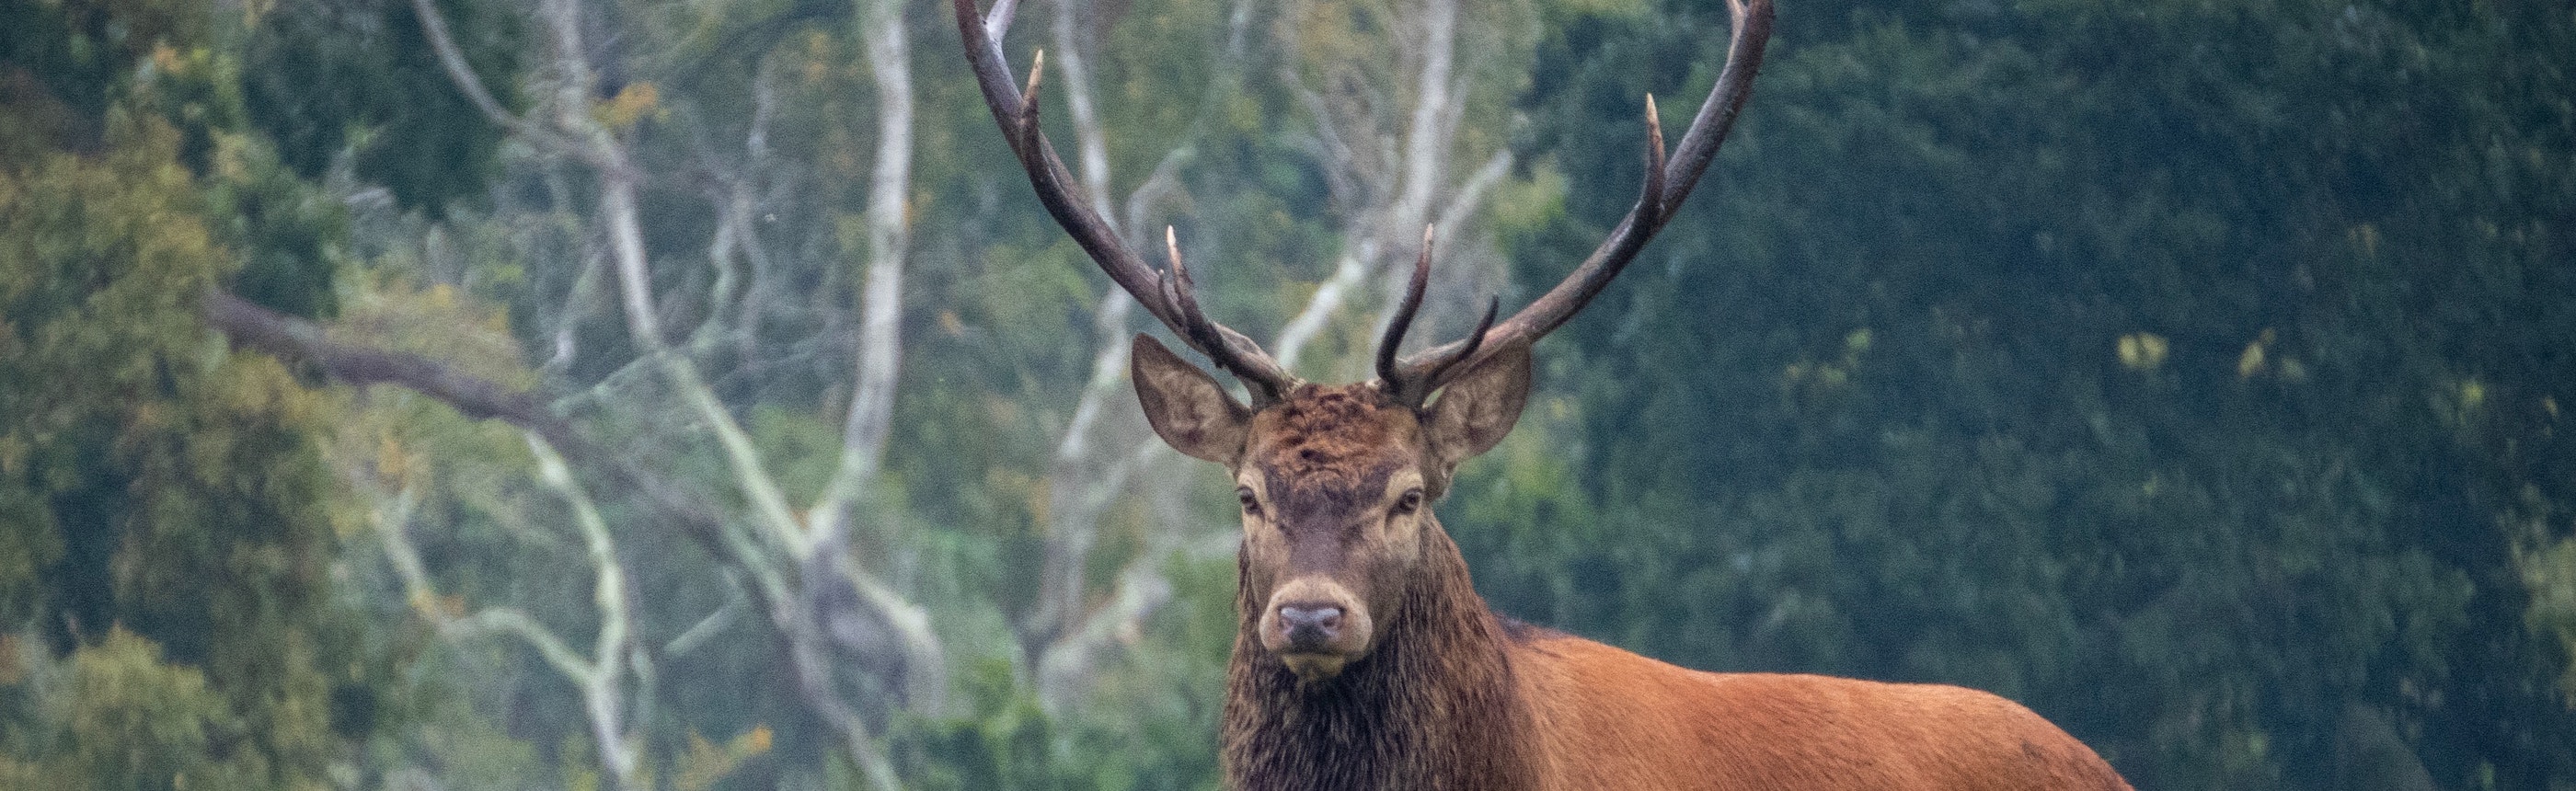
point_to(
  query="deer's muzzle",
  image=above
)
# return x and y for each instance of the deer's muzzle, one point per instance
(1316, 627)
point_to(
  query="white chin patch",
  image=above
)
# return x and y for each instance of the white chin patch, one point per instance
(1314, 667)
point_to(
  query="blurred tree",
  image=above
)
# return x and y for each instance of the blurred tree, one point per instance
(165, 523)
(355, 83)
(168, 523)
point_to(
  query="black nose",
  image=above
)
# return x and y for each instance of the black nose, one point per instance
(1309, 627)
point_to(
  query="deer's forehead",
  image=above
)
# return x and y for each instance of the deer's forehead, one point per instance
(1348, 439)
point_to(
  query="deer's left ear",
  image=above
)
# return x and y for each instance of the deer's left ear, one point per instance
(1478, 408)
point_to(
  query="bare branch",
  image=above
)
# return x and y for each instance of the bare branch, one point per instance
(513, 622)
(611, 645)
(597, 675)
(434, 25)
(626, 237)
(1471, 193)
(1329, 297)
(286, 336)
(452, 58)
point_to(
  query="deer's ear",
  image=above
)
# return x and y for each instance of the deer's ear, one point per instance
(1187, 407)
(1478, 408)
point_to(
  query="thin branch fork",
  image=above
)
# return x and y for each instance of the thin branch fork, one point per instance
(600, 675)
(452, 58)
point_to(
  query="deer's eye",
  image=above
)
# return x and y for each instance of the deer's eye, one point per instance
(1251, 504)
(1409, 503)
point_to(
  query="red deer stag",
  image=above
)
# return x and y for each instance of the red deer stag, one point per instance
(1365, 659)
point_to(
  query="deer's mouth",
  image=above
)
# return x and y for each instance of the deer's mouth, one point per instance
(1315, 667)
(1315, 653)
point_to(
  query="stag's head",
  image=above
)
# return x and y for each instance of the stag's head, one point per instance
(1336, 482)
(1335, 486)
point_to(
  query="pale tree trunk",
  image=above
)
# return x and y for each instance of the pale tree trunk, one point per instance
(780, 552)
(865, 427)
(1067, 633)
(1385, 208)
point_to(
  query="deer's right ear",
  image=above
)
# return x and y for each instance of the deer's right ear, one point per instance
(1186, 406)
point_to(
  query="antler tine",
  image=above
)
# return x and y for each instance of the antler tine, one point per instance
(1651, 208)
(1475, 340)
(1017, 114)
(1027, 134)
(1667, 184)
(1259, 373)
(1389, 377)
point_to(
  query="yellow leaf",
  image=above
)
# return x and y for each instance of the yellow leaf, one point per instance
(706, 763)
(392, 464)
(2143, 350)
(11, 671)
(167, 59)
(2251, 362)
(633, 103)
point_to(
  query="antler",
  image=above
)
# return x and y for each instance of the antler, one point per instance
(1667, 184)
(1390, 377)
(1166, 295)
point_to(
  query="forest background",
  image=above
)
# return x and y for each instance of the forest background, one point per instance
(426, 394)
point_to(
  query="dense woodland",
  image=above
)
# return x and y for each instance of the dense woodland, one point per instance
(608, 394)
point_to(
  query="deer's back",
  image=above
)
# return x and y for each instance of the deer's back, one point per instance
(1610, 719)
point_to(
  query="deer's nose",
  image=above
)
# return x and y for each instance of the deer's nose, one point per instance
(1310, 626)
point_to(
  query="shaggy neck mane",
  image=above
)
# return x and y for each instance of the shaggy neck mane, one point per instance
(1432, 706)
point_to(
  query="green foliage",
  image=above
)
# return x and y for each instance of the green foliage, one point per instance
(169, 524)
(357, 81)
(116, 715)
(2546, 558)
(79, 73)
(288, 234)
(1006, 743)
(1865, 408)
(173, 498)
(66, 63)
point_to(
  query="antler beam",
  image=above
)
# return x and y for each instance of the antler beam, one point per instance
(1667, 184)
(1166, 295)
